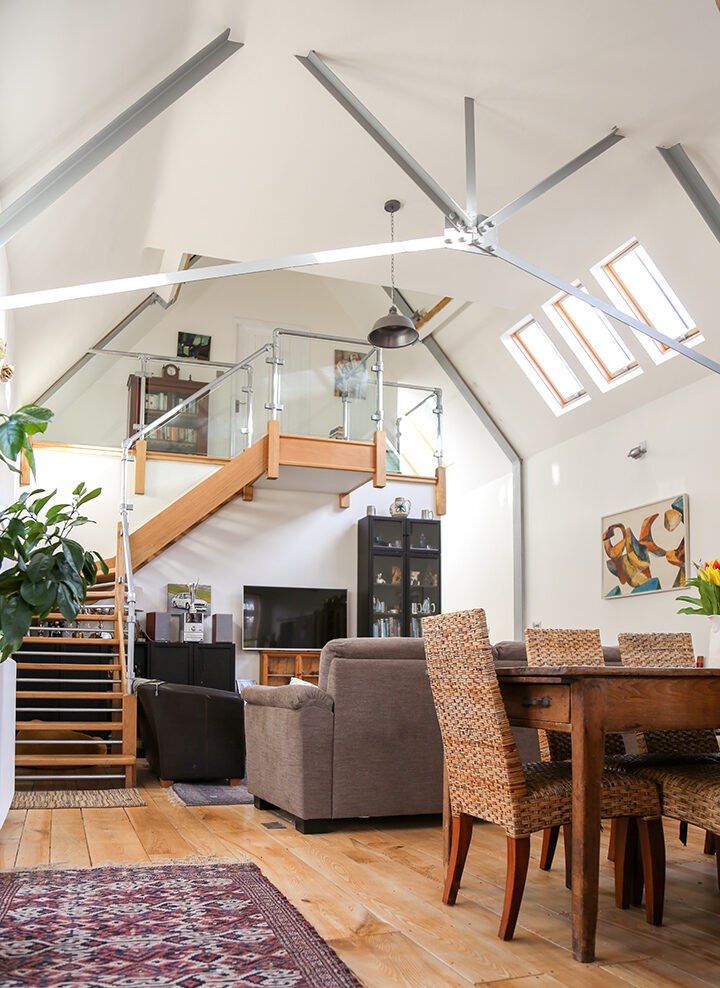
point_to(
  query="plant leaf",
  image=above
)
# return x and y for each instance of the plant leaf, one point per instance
(40, 596)
(15, 618)
(67, 604)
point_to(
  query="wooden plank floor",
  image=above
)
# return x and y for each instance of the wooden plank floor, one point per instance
(372, 890)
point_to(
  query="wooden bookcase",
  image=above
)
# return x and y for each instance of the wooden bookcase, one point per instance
(188, 432)
(276, 668)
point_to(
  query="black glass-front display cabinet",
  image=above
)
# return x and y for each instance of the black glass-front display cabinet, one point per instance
(398, 575)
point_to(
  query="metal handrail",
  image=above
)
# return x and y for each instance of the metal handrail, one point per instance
(273, 407)
(125, 507)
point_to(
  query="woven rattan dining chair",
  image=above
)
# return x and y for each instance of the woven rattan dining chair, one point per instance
(672, 650)
(565, 647)
(486, 778)
(668, 651)
(691, 794)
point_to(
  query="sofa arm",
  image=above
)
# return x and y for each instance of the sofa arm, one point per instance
(287, 697)
(289, 754)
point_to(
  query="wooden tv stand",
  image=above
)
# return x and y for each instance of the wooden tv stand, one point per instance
(276, 668)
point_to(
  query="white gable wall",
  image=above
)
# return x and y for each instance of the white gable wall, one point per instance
(571, 486)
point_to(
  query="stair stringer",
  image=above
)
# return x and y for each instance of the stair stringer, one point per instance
(198, 504)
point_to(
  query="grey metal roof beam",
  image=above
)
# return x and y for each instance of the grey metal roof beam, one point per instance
(694, 184)
(45, 192)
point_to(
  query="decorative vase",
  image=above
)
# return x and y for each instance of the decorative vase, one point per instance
(400, 508)
(712, 660)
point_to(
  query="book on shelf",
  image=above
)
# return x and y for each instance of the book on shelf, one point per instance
(176, 434)
(387, 627)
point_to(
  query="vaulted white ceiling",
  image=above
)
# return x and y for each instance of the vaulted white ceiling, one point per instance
(258, 160)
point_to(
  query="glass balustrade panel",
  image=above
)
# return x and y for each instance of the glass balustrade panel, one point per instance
(327, 389)
(412, 438)
(91, 407)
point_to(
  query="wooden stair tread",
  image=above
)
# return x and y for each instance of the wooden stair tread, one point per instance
(114, 726)
(82, 617)
(39, 760)
(43, 640)
(90, 666)
(67, 695)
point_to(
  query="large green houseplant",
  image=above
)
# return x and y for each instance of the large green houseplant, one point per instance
(42, 569)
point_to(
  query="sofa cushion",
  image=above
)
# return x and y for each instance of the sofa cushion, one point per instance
(509, 654)
(368, 648)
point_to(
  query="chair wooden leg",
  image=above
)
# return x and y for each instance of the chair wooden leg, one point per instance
(683, 832)
(625, 860)
(567, 841)
(518, 857)
(709, 847)
(638, 883)
(549, 843)
(652, 846)
(461, 836)
(611, 843)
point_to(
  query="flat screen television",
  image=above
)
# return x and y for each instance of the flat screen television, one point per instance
(292, 617)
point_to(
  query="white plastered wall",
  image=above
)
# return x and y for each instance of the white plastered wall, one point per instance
(477, 560)
(571, 486)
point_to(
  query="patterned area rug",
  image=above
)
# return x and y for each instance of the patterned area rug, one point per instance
(197, 795)
(68, 799)
(176, 926)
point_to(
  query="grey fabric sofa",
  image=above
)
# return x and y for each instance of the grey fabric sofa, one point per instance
(365, 743)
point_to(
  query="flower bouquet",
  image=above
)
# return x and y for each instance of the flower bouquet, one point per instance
(707, 583)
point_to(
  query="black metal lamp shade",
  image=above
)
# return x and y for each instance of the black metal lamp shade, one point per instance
(393, 330)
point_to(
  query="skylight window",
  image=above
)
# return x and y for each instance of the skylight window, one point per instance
(635, 284)
(593, 339)
(545, 366)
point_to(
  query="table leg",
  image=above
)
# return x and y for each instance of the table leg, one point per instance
(587, 707)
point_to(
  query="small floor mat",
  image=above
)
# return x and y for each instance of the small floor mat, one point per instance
(68, 799)
(211, 795)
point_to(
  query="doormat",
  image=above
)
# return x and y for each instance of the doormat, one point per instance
(69, 799)
(175, 926)
(209, 795)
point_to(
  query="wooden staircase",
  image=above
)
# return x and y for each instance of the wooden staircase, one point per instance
(75, 722)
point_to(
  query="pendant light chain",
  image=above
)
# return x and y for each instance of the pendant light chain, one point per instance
(394, 329)
(392, 259)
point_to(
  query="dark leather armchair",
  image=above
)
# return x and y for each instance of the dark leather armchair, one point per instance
(191, 732)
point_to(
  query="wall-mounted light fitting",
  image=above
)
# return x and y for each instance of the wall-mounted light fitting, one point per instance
(637, 452)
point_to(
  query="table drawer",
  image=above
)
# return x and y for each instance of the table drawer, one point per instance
(537, 702)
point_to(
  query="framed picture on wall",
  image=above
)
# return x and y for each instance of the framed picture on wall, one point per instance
(351, 374)
(194, 345)
(644, 549)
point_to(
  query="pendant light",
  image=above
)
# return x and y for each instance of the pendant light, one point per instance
(393, 330)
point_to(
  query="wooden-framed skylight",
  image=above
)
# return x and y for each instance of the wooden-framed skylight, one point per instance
(635, 284)
(593, 339)
(544, 365)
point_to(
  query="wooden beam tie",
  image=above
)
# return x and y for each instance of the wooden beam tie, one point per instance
(273, 450)
(380, 476)
(140, 460)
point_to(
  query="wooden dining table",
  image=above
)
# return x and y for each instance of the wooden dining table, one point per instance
(586, 702)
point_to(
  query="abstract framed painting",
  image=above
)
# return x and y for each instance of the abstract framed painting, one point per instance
(644, 549)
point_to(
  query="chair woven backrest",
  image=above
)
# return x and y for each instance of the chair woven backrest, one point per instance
(566, 647)
(667, 651)
(484, 771)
